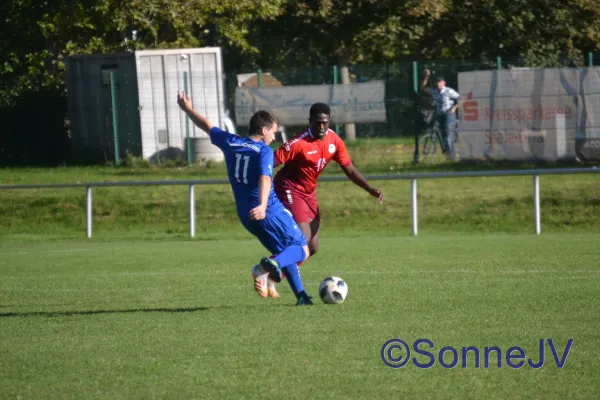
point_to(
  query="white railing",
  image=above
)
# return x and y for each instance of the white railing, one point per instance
(412, 177)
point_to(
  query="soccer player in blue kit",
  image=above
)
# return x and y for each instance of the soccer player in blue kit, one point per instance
(249, 163)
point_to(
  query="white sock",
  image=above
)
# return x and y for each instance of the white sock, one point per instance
(270, 283)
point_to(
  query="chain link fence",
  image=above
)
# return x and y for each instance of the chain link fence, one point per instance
(107, 111)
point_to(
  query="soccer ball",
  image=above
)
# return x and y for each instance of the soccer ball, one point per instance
(333, 290)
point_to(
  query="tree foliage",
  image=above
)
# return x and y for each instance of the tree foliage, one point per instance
(37, 36)
(542, 32)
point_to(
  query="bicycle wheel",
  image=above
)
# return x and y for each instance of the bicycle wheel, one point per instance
(428, 148)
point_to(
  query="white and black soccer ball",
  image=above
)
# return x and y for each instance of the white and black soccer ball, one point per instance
(333, 290)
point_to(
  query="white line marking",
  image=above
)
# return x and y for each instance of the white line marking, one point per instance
(53, 251)
(473, 272)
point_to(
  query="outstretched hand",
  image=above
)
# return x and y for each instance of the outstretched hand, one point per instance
(376, 193)
(427, 72)
(185, 103)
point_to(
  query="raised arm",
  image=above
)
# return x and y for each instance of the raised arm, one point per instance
(186, 105)
(425, 80)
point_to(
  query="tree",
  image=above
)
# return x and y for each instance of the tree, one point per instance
(327, 32)
(542, 32)
(37, 36)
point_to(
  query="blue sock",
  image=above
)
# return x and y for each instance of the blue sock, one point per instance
(292, 274)
(290, 255)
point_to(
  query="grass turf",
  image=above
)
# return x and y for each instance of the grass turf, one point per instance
(569, 202)
(179, 319)
(460, 205)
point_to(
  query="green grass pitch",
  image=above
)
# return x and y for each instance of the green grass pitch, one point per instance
(161, 319)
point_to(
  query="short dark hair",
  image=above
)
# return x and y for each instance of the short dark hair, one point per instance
(261, 119)
(319, 108)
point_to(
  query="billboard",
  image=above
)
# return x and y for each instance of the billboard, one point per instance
(529, 114)
(352, 103)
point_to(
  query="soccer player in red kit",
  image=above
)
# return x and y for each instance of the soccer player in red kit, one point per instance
(304, 157)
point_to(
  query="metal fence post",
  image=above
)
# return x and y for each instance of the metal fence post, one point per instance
(415, 220)
(536, 204)
(88, 210)
(416, 110)
(192, 212)
(115, 119)
(187, 122)
(335, 82)
(387, 79)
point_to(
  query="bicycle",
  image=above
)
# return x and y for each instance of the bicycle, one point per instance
(431, 141)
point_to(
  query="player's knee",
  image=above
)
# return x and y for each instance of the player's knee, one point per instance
(313, 248)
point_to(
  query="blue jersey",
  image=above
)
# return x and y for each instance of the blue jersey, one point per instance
(246, 160)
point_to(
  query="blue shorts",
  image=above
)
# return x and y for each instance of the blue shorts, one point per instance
(276, 232)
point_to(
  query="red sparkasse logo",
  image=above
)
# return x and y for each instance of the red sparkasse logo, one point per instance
(470, 109)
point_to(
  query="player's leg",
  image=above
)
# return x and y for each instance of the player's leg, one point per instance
(306, 229)
(294, 202)
(268, 232)
(293, 276)
(311, 231)
(314, 225)
(443, 126)
(295, 280)
(259, 275)
(303, 209)
(292, 271)
(292, 254)
(313, 243)
(451, 130)
(286, 241)
(290, 246)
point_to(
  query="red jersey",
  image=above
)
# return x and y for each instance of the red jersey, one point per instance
(305, 157)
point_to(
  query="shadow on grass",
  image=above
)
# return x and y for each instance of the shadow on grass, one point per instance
(52, 314)
(94, 312)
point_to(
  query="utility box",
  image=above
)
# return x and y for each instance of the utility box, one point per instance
(90, 100)
(145, 120)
